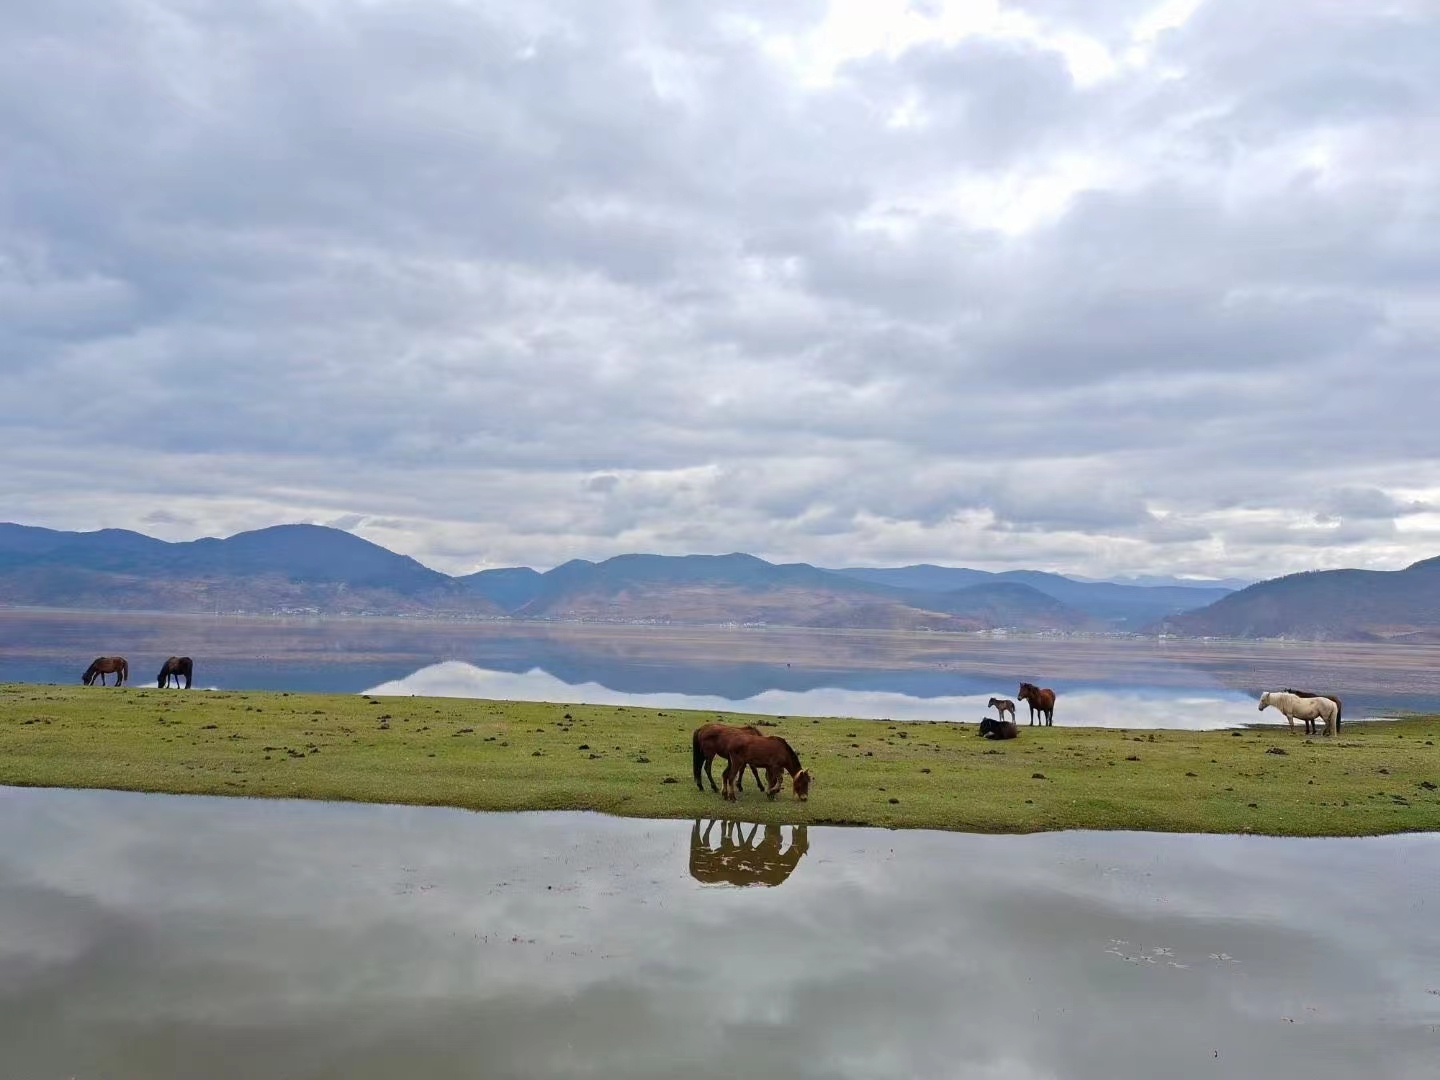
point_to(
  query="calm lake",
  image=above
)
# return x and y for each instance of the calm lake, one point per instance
(151, 936)
(912, 676)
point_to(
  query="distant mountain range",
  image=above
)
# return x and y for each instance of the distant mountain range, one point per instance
(1123, 607)
(1335, 605)
(288, 568)
(303, 569)
(310, 569)
(743, 589)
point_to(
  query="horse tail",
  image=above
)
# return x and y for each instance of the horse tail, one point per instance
(697, 756)
(1339, 709)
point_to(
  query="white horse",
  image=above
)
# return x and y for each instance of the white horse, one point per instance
(1307, 709)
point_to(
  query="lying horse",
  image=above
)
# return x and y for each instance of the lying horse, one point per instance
(710, 740)
(1339, 708)
(1307, 709)
(106, 665)
(771, 753)
(1002, 705)
(175, 668)
(998, 729)
(1041, 701)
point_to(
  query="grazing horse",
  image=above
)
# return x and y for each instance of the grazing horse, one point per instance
(106, 665)
(739, 860)
(1002, 705)
(1307, 709)
(1339, 708)
(176, 667)
(998, 729)
(1040, 701)
(771, 753)
(710, 740)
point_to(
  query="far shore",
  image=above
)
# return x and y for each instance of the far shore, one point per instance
(1373, 778)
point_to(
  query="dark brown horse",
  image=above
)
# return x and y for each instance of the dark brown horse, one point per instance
(771, 753)
(106, 665)
(1040, 701)
(739, 860)
(1002, 705)
(712, 740)
(998, 729)
(177, 667)
(1339, 708)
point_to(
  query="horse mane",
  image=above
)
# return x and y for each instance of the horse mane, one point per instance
(794, 757)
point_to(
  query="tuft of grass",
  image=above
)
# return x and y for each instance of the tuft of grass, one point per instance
(502, 755)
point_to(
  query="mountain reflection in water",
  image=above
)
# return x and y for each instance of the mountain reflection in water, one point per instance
(741, 859)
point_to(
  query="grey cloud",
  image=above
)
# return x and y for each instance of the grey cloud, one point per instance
(515, 285)
(1367, 504)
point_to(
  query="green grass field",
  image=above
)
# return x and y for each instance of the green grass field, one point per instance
(500, 755)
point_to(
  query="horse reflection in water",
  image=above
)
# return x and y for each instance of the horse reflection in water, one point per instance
(741, 859)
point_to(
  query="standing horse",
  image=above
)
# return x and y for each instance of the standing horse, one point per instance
(774, 755)
(177, 667)
(106, 665)
(1040, 701)
(1307, 709)
(1339, 708)
(1001, 706)
(710, 740)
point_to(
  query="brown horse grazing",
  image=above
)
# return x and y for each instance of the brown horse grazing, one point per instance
(106, 665)
(1041, 701)
(774, 755)
(176, 667)
(998, 729)
(1339, 708)
(710, 740)
(739, 860)
(1001, 706)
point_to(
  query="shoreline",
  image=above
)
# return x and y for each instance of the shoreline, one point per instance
(1375, 778)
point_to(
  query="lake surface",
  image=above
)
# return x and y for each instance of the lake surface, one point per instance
(913, 676)
(151, 936)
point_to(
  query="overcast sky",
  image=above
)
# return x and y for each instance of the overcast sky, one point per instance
(1101, 286)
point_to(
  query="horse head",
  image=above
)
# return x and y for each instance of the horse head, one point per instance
(988, 725)
(1264, 700)
(801, 783)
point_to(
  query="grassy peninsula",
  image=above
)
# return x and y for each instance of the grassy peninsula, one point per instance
(501, 755)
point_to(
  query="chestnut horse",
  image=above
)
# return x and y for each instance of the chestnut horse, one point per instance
(1339, 708)
(106, 665)
(710, 740)
(774, 755)
(1041, 701)
(175, 668)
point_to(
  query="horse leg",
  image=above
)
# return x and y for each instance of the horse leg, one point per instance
(709, 760)
(727, 781)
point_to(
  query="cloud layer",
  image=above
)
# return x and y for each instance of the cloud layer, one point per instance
(1112, 287)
